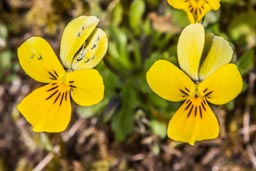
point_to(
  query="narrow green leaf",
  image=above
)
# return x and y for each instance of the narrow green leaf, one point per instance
(122, 122)
(245, 62)
(137, 9)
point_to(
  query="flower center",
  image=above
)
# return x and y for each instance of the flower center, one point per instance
(67, 83)
(59, 90)
(196, 7)
(195, 105)
(196, 102)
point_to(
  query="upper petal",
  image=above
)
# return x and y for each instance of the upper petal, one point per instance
(39, 61)
(87, 87)
(92, 51)
(74, 36)
(220, 53)
(169, 82)
(48, 108)
(193, 121)
(223, 85)
(190, 49)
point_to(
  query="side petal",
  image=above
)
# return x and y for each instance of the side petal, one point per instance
(193, 121)
(215, 4)
(220, 53)
(74, 36)
(169, 82)
(87, 87)
(190, 49)
(48, 108)
(39, 61)
(223, 85)
(92, 51)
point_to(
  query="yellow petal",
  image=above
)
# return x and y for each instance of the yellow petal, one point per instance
(177, 4)
(219, 54)
(207, 45)
(193, 121)
(190, 49)
(92, 51)
(195, 9)
(87, 87)
(48, 108)
(215, 4)
(39, 61)
(169, 82)
(223, 85)
(74, 36)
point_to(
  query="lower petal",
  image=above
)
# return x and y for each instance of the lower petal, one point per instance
(47, 109)
(87, 87)
(194, 121)
(195, 9)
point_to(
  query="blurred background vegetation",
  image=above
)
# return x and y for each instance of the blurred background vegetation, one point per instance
(127, 130)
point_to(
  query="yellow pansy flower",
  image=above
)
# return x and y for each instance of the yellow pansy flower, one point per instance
(195, 9)
(48, 108)
(206, 77)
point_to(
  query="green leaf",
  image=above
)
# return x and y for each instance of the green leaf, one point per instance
(124, 52)
(245, 62)
(122, 122)
(117, 15)
(137, 9)
(179, 17)
(118, 47)
(158, 128)
(135, 50)
(3, 32)
(242, 29)
(5, 62)
(89, 111)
